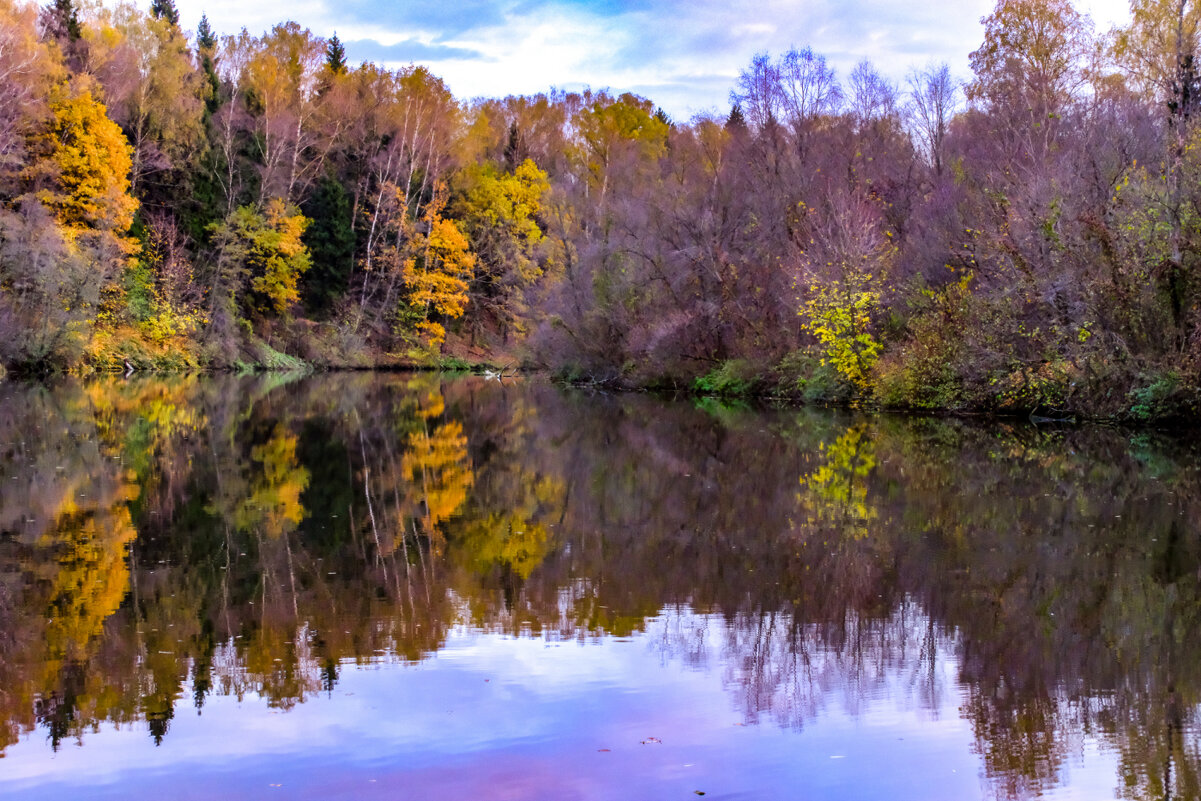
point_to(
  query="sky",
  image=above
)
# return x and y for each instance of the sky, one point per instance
(685, 55)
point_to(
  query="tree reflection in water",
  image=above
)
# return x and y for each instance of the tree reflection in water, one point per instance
(164, 540)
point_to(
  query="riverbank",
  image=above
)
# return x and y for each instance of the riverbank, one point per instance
(1054, 390)
(1060, 392)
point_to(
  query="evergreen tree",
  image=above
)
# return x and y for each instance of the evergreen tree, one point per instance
(206, 40)
(165, 9)
(206, 48)
(736, 121)
(60, 23)
(330, 239)
(335, 56)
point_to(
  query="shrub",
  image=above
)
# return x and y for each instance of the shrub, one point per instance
(733, 377)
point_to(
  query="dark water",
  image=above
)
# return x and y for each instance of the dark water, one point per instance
(403, 587)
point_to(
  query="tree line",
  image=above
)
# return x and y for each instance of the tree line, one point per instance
(1025, 240)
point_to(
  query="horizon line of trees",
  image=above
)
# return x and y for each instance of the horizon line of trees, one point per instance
(1027, 239)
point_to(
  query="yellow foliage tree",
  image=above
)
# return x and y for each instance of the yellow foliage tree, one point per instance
(79, 172)
(499, 211)
(437, 276)
(92, 160)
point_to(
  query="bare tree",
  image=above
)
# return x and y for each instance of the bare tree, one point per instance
(758, 92)
(872, 96)
(808, 86)
(934, 99)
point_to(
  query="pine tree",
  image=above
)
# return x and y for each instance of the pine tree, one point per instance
(335, 56)
(164, 9)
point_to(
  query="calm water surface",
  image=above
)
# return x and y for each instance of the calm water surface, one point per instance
(407, 587)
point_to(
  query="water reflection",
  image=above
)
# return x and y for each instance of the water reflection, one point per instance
(168, 542)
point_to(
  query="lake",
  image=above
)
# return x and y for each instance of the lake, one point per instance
(401, 586)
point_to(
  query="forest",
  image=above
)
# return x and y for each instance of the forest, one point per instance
(1025, 240)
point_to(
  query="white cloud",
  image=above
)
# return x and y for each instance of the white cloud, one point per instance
(683, 54)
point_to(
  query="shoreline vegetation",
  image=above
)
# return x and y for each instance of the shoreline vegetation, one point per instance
(1022, 241)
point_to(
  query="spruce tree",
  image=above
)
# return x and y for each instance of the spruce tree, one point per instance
(335, 55)
(736, 121)
(206, 40)
(165, 9)
(63, 21)
(206, 48)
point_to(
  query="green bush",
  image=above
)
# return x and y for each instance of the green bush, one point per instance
(1152, 401)
(801, 374)
(732, 378)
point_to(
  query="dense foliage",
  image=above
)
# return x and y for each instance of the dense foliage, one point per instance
(1029, 240)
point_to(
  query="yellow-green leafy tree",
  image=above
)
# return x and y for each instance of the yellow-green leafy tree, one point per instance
(77, 173)
(849, 258)
(260, 257)
(437, 275)
(500, 212)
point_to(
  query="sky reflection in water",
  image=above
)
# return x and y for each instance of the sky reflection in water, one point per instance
(398, 587)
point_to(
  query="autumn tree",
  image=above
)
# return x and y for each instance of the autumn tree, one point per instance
(150, 86)
(89, 188)
(402, 147)
(436, 276)
(260, 256)
(499, 211)
(28, 70)
(613, 132)
(281, 80)
(1159, 46)
(1033, 57)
